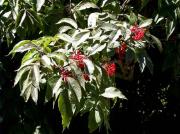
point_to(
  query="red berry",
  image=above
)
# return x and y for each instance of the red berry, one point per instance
(86, 77)
(64, 74)
(110, 68)
(137, 32)
(121, 51)
(78, 57)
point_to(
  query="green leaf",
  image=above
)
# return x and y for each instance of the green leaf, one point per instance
(39, 4)
(36, 76)
(92, 19)
(170, 27)
(22, 19)
(46, 62)
(80, 38)
(146, 23)
(65, 37)
(21, 46)
(75, 87)
(68, 21)
(64, 29)
(57, 86)
(133, 18)
(65, 109)
(157, 42)
(97, 48)
(144, 3)
(87, 5)
(112, 92)
(108, 27)
(89, 65)
(34, 93)
(19, 18)
(92, 124)
(1, 2)
(26, 86)
(20, 74)
(144, 60)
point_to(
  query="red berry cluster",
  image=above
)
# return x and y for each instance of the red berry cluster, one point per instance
(138, 33)
(110, 68)
(86, 77)
(64, 74)
(78, 57)
(121, 51)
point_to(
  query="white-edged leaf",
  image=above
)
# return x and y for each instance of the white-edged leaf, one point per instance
(97, 48)
(27, 86)
(92, 19)
(1, 2)
(65, 37)
(108, 27)
(36, 76)
(170, 27)
(39, 4)
(112, 92)
(142, 63)
(64, 29)
(45, 60)
(83, 37)
(87, 5)
(34, 93)
(57, 86)
(146, 23)
(22, 19)
(89, 65)
(118, 33)
(75, 87)
(69, 21)
(20, 74)
(98, 117)
(20, 46)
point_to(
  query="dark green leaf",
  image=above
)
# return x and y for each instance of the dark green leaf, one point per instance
(65, 109)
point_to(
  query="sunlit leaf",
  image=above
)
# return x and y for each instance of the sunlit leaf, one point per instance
(87, 5)
(57, 86)
(39, 4)
(75, 87)
(68, 21)
(146, 23)
(112, 92)
(89, 65)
